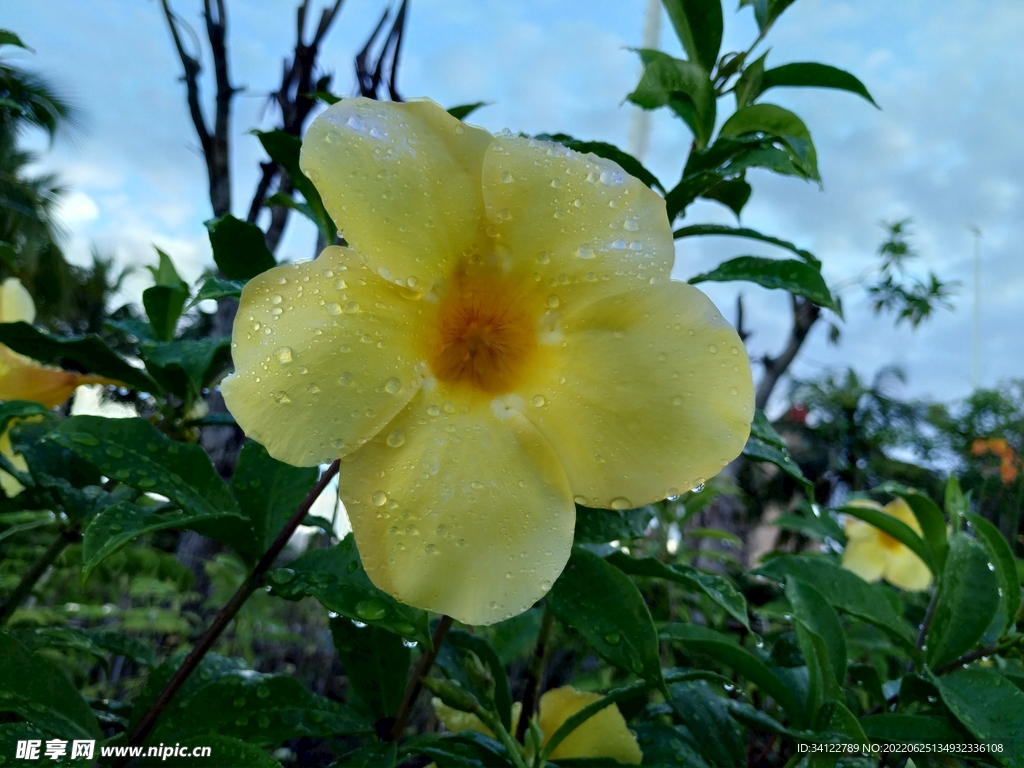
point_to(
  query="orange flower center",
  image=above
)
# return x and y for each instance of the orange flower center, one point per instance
(485, 333)
(888, 542)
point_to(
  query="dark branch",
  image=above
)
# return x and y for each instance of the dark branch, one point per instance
(226, 615)
(805, 314)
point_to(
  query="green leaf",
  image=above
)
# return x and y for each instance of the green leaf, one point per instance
(682, 86)
(814, 75)
(186, 366)
(812, 609)
(928, 515)
(9, 38)
(748, 85)
(767, 11)
(725, 650)
(165, 301)
(732, 193)
(896, 528)
(669, 746)
(376, 663)
(706, 715)
(458, 643)
(120, 523)
(988, 705)
(718, 588)
(698, 24)
(336, 578)
(134, 452)
(89, 353)
(844, 590)
(760, 451)
(211, 667)
(901, 728)
(225, 752)
(37, 690)
(466, 749)
(700, 230)
(601, 603)
(835, 717)
(283, 149)
(790, 275)
(968, 601)
(775, 122)
(268, 493)
(626, 161)
(217, 288)
(1006, 569)
(463, 111)
(239, 248)
(261, 709)
(956, 506)
(599, 526)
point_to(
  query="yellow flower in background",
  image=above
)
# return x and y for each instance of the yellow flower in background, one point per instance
(873, 554)
(1008, 459)
(500, 340)
(603, 735)
(22, 378)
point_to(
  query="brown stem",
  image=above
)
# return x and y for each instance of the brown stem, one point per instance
(535, 675)
(805, 315)
(226, 614)
(981, 653)
(412, 690)
(28, 581)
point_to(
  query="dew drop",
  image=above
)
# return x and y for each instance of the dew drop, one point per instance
(553, 301)
(556, 183)
(538, 401)
(379, 499)
(581, 500)
(83, 438)
(459, 130)
(430, 549)
(282, 397)
(284, 355)
(333, 308)
(371, 610)
(276, 299)
(351, 307)
(449, 408)
(620, 503)
(613, 638)
(506, 177)
(393, 386)
(677, 400)
(713, 349)
(397, 437)
(585, 251)
(345, 379)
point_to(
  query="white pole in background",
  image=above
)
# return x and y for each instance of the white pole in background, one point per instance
(640, 125)
(976, 335)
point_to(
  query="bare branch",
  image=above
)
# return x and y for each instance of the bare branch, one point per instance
(805, 314)
(192, 69)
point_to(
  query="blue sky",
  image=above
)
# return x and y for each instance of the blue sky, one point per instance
(945, 149)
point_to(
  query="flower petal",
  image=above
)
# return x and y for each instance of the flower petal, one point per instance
(460, 510)
(12, 487)
(603, 735)
(906, 570)
(16, 303)
(865, 557)
(325, 355)
(899, 509)
(25, 379)
(581, 224)
(649, 395)
(402, 182)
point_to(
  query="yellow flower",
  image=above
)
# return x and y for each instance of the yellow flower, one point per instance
(873, 554)
(500, 338)
(603, 735)
(22, 378)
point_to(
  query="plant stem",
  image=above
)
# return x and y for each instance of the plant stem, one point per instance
(28, 581)
(226, 614)
(967, 658)
(415, 685)
(926, 624)
(535, 674)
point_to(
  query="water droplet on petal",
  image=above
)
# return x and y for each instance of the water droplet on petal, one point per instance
(506, 177)
(284, 355)
(630, 225)
(397, 437)
(553, 301)
(333, 308)
(393, 386)
(620, 503)
(613, 638)
(379, 499)
(585, 251)
(538, 400)
(713, 349)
